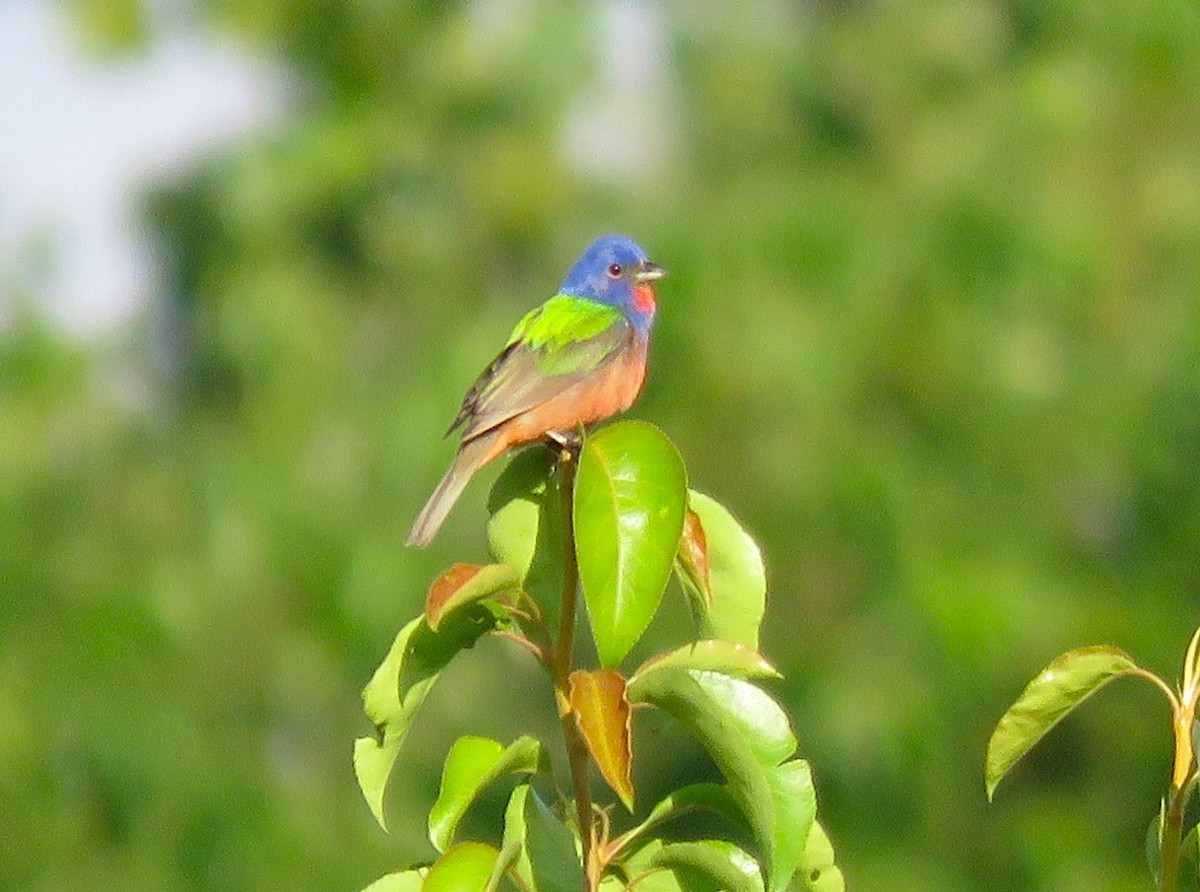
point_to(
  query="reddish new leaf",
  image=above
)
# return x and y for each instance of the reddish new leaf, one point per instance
(465, 584)
(602, 713)
(732, 608)
(693, 554)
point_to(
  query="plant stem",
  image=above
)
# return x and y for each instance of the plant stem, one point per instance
(1171, 832)
(1183, 772)
(565, 646)
(1171, 835)
(577, 753)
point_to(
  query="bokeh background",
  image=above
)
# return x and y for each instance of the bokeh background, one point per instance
(932, 332)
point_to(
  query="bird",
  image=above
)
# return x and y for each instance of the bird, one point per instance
(577, 359)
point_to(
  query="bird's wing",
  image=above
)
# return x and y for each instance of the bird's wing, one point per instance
(554, 347)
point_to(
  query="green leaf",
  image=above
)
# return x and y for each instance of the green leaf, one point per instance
(660, 880)
(725, 657)
(553, 857)
(695, 797)
(748, 716)
(630, 496)
(465, 584)
(732, 608)
(1048, 699)
(817, 869)
(465, 867)
(472, 764)
(399, 686)
(1154, 841)
(651, 877)
(795, 802)
(748, 736)
(1190, 860)
(729, 867)
(525, 528)
(401, 881)
(512, 847)
(373, 759)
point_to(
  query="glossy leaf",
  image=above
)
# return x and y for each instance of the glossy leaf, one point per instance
(747, 735)
(553, 859)
(401, 881)
(525, 528)
(651, 877)
(472, 764)
(817, 869)
(399, 686)
(744, 710)
(465, 867)
(726, 865)
(630, 497)
(465, 584)
(732, 609)
(513, 852)
(695, 797)
(725, 657)
(1048, 699)
(795, 803)
(659, 880)
(602, 714)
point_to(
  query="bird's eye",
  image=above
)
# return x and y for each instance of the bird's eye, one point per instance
(614, 271)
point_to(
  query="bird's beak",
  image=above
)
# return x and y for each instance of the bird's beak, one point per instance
(648, 272)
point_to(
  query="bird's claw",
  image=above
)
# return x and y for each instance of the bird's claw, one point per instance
(568, 443)
(572, 440)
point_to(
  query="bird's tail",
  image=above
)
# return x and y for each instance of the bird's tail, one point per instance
(471, 457)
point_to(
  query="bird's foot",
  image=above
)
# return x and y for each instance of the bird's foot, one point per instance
(572, 440)
(568, 443)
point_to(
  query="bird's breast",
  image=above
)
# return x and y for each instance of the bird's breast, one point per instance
(613, 388)
(607, 391)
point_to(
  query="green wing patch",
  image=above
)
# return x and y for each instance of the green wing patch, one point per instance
(553, 348)
(563, 320)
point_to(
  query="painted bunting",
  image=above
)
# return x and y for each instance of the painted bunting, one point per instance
(575, 360)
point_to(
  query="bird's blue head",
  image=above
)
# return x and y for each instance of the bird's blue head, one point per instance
(616, 271)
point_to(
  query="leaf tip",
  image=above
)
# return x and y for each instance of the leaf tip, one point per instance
(366, 750)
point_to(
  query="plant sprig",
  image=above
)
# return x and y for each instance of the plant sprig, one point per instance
(613, 521)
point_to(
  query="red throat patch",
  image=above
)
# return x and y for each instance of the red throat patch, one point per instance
(643, 298)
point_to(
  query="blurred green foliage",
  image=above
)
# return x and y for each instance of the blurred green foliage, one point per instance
(932, 331)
